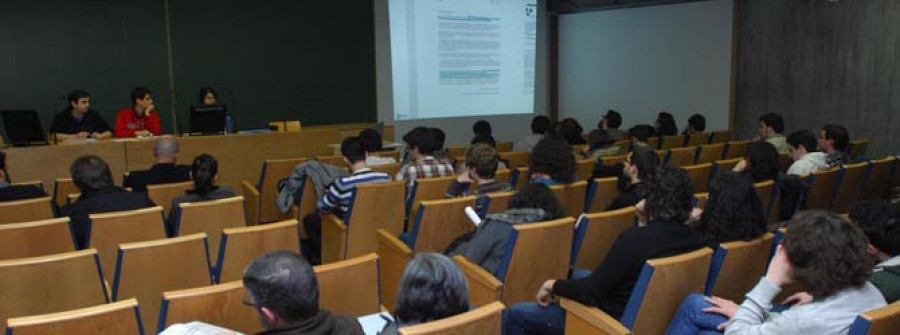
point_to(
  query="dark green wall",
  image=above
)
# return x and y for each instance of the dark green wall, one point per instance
(310, 60)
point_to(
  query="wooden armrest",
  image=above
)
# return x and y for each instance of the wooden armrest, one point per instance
(251, 194)
(484, 288)
(394, 255)
(334, 238)
(581, 319)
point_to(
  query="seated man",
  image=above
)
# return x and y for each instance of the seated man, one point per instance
(482, 162)
(15, 192)
(420, 146)
(801, 146)
(540, 126)
(878, 222)
(666, 209)
(98, 195)
(834, 141)
(78, 121)
(821, 251)
(600, 143)
(640, 134)
(284, 291)
(552, 162)
(696, 125)
(771, 129)
(141, 119)
(640, 164)
(611, 122)
(372, 141)
(165, 150)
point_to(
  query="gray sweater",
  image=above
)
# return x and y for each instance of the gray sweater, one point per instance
(488, 245)
(831, 315)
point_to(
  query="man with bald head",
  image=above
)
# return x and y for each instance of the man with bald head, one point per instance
(165, 150)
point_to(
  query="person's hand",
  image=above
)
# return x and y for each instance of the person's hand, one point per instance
(464, 177)
(639, 212)
(740, 166)
(545, 293)
(696, 213)
(149, 109)
(797, 299)
(143, 133)
(780, 269)
(723, 307)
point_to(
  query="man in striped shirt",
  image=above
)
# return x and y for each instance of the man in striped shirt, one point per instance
(420, 145)
(337, 196)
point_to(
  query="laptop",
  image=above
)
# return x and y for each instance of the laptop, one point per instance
(23, 127)
(208, 120)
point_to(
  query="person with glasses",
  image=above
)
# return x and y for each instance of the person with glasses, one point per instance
(640, 163)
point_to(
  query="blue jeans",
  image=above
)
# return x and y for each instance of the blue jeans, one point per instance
(531, 318)
(691, 319)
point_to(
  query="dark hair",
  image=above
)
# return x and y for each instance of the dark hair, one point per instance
(697, 122)
(646, 160)
(540, 124)
(204, 91)
(371, 140)
(90, 173)
(439, 138)
(827, 253)
(204, 170)
(284, 282)
(642, 132)
(553, 155)
(666, 124)
(773, 120)
(803, 137)
(876, 219)
(613, 119)
(432, 288)
(483, 159)
(353, 149)
(78, 95)
(3, 165)
(839, 135)
(537, 195)
(763, 159)
(669, 195)
(733, 211)
(484, 139)
(570, 130)
(599, 138)
(481, 127)
(139, 93)
(421, 138)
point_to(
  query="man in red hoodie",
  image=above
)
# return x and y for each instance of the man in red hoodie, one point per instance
(140, 119)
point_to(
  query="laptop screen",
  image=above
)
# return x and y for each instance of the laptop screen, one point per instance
(23, 127)
(208, 119)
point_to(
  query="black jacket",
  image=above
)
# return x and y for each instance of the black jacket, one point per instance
(162, 173)
(323, 323)
(113, 199)
(20, 192)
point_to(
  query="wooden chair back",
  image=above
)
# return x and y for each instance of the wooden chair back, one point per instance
(601, 193)
(306, 199)
(33, 239)
(482, 320)
(667, 281)
(878, 182)
(62, 187)
(50, 284)
(577, 149)
(880, 321)
(499, 201)
(669, 142)
(162, 194)
(26, 210)
(241, 245)
(581, 319)
(623, 144)
(612, 160)
(221, 305)
(682, 156)
(725, 165)
(571, 196)
(520, 177)
(696, 139)
(457, 150)
(584, 168)
(391, 169)
(504, 146)
(516, 159)
(821, 191)
(737, 266)
(108, 230)
(858, 148)
(710, 153)
(333, 160)
(502, 175)
(765, 190)
(185, 263)
(852, 179)
(350, 287)
(699, 174)
(34, 183)
(273, 170)
(374, 206)
(210, 217)
(391, 153)
(439, 222)
(393, 255)
(540, 251)
(653, 142)
(736, 149)
(427, 189)
(116, 318)
(720, 136)
(596, 233)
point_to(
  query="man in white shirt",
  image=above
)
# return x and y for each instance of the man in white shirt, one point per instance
(801, 148)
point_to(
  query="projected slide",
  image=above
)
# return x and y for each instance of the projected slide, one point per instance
(462, 57)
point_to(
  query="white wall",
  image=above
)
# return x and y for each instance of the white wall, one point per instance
(459, 129)
(641, 61)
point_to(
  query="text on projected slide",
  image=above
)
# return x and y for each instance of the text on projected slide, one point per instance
(462, 57)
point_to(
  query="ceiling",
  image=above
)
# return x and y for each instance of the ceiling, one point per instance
(575, 6)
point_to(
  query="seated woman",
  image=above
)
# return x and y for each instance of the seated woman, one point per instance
(533, 203)
(733, 211)
(207, 96)
(760, 163)
(552, 162)
(600, 143)
(205, 173)
(431, 288)
(821, 251)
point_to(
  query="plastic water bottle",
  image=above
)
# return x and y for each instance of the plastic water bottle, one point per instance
(228, 127)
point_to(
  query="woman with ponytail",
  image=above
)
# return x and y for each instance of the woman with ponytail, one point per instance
(204, 172)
